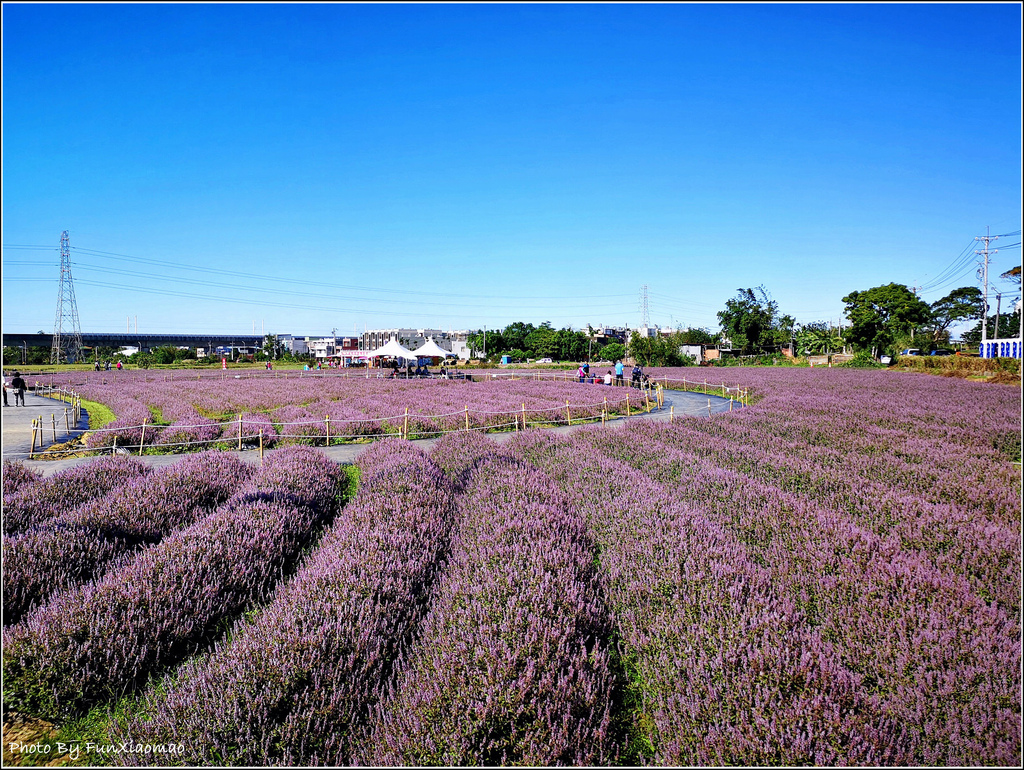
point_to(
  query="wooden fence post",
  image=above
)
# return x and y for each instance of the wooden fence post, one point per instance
(261, 446)
(467, 416)
(67, 421)
(239, 431)
(53, 422)
(709, 407)
(568, 419)
(730, 403)
(524, 415)
(142, 440)
(627, 405)
(32, 449)
(672, 413)
(405, 425)
(327, 423)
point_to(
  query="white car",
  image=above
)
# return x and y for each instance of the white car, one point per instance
(545, 361)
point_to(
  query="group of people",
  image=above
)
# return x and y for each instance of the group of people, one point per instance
(420, 370)
(639, 378)
(106, 366)
(18, 386)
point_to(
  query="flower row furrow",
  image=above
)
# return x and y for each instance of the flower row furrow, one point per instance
(513, 663)
(105, 638)
(80, 545)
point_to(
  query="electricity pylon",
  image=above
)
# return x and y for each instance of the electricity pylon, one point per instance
(67, 334)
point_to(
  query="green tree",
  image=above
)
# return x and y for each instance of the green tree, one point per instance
(818, 337)
(490, 342)
(515, 334)
(273, 347)
(541, 342)
(696, 337)
(960, 304)
(1009, 327)
(613, 351)
(752, 322)
(880, 315)
(163, 354)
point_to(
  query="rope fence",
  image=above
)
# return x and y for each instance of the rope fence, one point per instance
(637, 400)
(537, 376)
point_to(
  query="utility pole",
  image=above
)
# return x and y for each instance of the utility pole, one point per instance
(67, 333)
(999, 302)
(984, 253)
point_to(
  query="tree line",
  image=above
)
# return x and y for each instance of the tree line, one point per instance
(883, 319)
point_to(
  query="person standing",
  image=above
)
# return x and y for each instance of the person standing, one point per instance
(19, 388)
(618, 373)
(5, 390)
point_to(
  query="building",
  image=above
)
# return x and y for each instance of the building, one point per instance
(455, 341)
(294, 345)
(323, 348)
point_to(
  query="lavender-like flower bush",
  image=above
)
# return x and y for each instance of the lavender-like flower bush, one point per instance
(513, 663)
(298, 678)
(830, 575)
(81, 544)
(43, 500)
(105, 638)
(16, 476)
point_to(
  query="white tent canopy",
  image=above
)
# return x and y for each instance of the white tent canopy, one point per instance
(392, 350)
(431, 349)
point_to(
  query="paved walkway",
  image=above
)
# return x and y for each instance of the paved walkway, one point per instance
(17, 430)
(17, 424)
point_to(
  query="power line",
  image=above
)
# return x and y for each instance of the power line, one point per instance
(321, 284)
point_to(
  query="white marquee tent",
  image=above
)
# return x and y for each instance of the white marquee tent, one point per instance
(392, 350)
(431, 349)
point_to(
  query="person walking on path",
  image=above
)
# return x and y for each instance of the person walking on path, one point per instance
(618, 373)
(19, 388)
(637, 372)
(5, 390)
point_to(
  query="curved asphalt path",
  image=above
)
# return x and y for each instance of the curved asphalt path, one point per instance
(17, 430)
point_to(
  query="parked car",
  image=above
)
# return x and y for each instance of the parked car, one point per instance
(910, 352)
(942, 352)
(545, 361)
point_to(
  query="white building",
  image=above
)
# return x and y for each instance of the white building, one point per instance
(455, 341)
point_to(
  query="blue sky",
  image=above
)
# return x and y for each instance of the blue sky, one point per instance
(317, 167)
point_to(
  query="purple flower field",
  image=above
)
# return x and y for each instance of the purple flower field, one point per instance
(831, 576)
(183, 413)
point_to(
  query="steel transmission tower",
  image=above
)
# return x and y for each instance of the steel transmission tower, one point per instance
(67, 334)
(644, 312)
